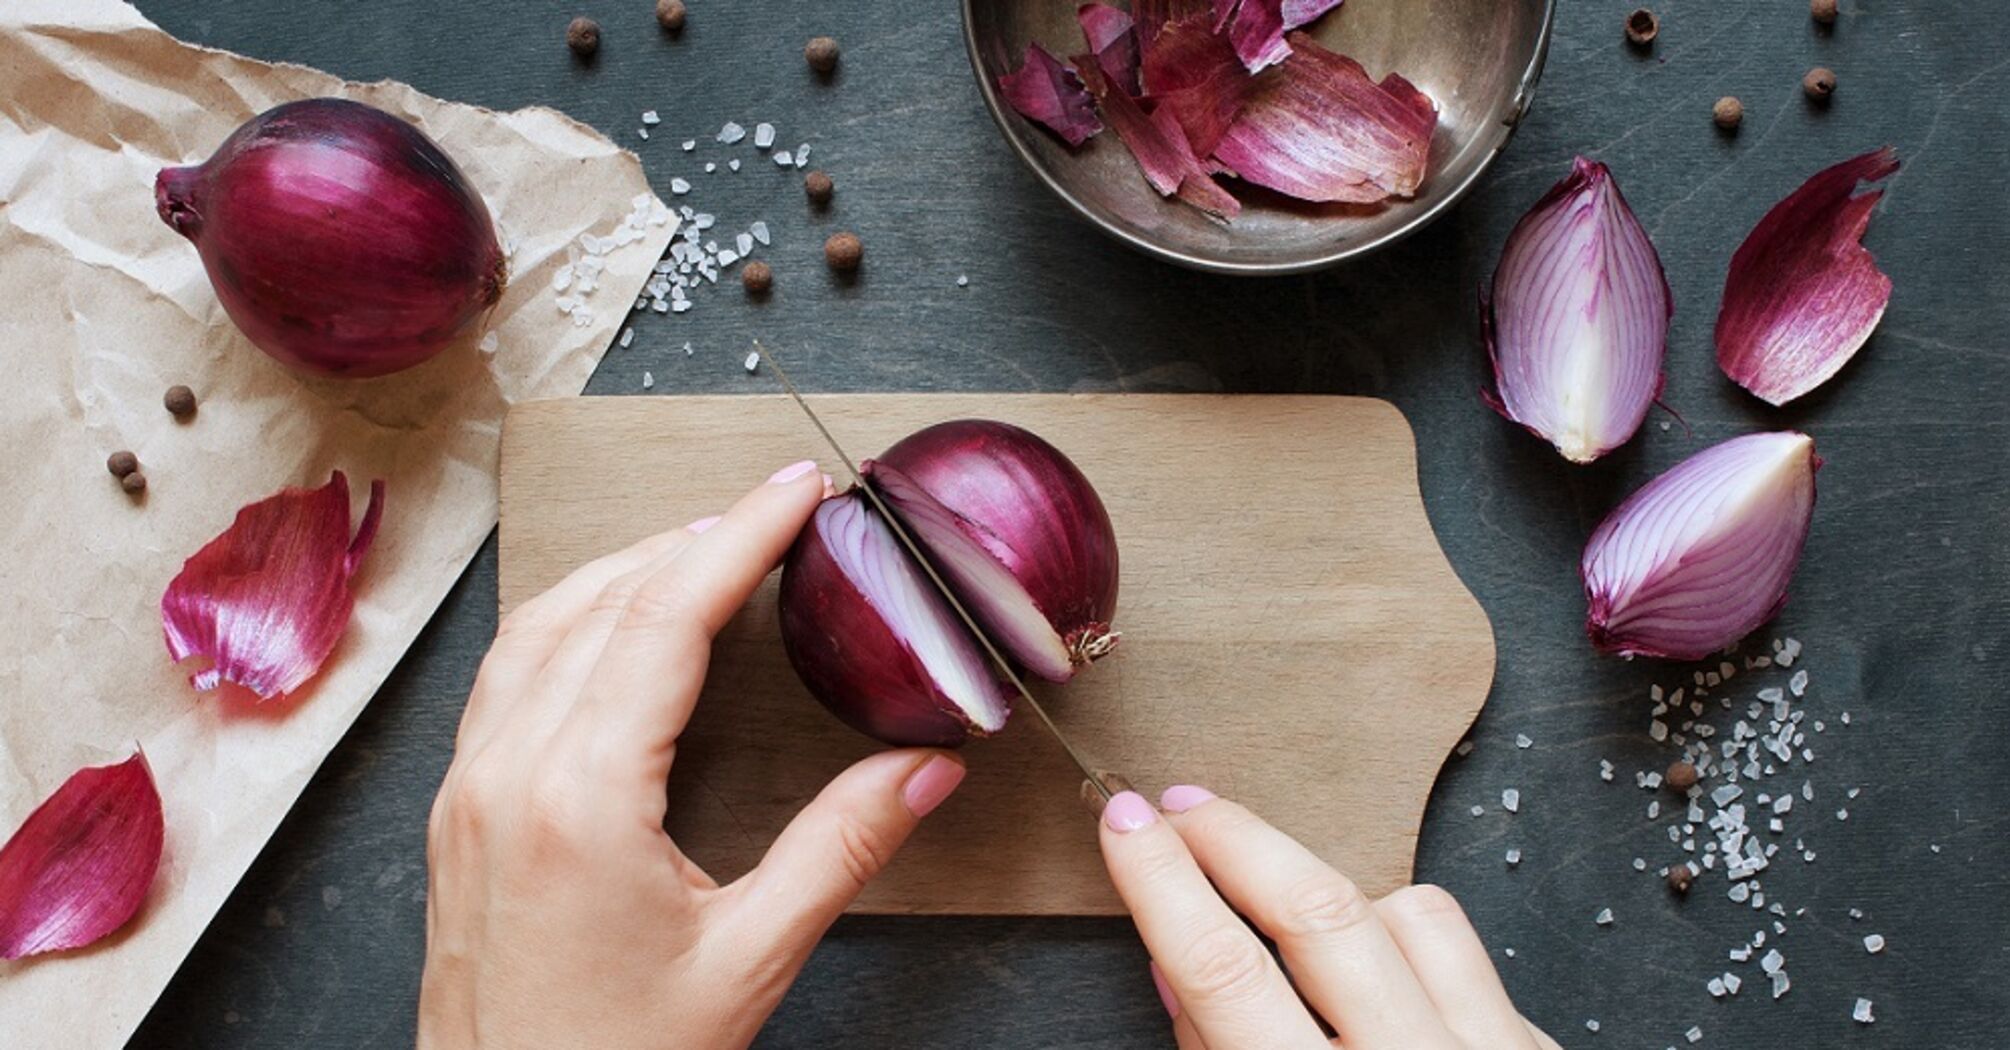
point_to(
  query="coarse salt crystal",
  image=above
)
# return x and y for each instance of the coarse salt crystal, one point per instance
(679, 187)
(1591, 1024)
(731, 133)
(802, 156)
(710, 167)
(753, 360)
(1732, 982)
(760, 231)
(1465, 748)
(648, 380)
(627, 337)
(690, 144)
(1514, 856)
(783, 160)
(1873, 943)
(488, 343)
(1781, 984)
(642, 132)
(1511, 800)
(1479, 811)
(734, 164)
(1604, 917)
(962, 280)
(1694, 1034)
(1861, 1012)
(1716, 987)
(1772, 961)
(650, 118)
(764, 135)
(1521, 740)
(745, 242)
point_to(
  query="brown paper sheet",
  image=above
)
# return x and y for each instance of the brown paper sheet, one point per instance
(103, 308)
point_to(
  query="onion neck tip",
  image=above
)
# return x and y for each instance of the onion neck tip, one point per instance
(174, 193)
(1092, 643)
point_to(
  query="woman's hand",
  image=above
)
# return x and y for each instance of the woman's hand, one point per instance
(560, 914)
(1406, 972)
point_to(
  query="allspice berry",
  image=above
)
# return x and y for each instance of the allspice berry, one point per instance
(822, 54)
(180, 401)
(1681, 776)
(1823, 11)
(818, 187)
(122, 463)
(1819, 84)
(843, 251)
(757, 278)
(1728, 113)
(134, 483)
(583, 36)
(670, 15)
(1642, 27)
(1680, 878)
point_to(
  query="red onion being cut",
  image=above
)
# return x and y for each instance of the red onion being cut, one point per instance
(872, 639)
(339, 238)
(1016, 530)
(1016, 533)
(1701, 556)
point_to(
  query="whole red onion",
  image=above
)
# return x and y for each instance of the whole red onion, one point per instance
(339, 238)
(1018, 535)
(1017, 531)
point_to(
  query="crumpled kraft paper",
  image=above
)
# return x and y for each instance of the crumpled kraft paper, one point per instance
(102, 308)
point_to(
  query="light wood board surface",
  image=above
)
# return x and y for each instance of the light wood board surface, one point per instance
(1293, 637)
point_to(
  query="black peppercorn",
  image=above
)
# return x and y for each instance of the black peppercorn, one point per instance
(180, 401)
(818, 187)
(843, 251)
(757, 278)
(134, 483)
(822, 54)
(122, 463)
(583, 36)
(1642, 27)
(1728, 113)
(1823, 11)
(1680, 878)
(1819, 84)
(670, 15)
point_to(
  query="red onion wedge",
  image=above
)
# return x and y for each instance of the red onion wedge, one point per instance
(81, 865)
(1803, 294)
(267, 600)
(1576, 320)
(1317, 128)
(1018, 533)
(1701, 556)
(869, 635)
(1050, 94)
(340, 239)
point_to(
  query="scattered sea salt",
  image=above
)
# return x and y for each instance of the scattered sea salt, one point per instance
(1511, 800)
(760, 231)
(1522, 741)
(650, 118)
(1861, 1012)
(734, 164)
(1465, 748)
(1694, 1034)
(1591, 1025)
(764, 135)
(963, 281)
(679, 187)
(1873, 943)
(627, 337)
(690, 144)
(783, 160)
(1604, 917)
(753, 360)
(648, 380)
(732, 133)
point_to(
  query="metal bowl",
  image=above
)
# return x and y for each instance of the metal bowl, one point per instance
(1479, 59)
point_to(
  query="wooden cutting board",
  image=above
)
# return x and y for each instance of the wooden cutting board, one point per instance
(1292, 635)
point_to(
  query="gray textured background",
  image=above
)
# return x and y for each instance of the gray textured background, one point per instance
(1902, 602)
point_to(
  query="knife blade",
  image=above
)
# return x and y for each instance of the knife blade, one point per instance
(1100, 780)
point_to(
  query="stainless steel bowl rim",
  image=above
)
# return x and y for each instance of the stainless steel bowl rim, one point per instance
(1524, 97)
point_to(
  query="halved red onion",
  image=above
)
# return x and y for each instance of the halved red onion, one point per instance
(269, 597)
(1050, 94)
(339, 238)
(1701, 556)
(1159, 145)
(1317, 128)
(870, 636)
(1016, 530)
(1803, 294)
(1576, 320)
(80, 866)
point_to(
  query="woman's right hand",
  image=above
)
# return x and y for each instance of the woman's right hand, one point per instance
(1406, 972)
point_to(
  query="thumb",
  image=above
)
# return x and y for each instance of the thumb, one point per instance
(841, 841)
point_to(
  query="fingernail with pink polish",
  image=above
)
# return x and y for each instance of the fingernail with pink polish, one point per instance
(1165, 992)
(792, 472)
(1128, 811)
(702, 524)
(928, 786)
(1182, 797)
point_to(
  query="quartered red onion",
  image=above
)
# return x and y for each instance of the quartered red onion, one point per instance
(1576, 319)
(339, 238)
(1016, 532)
(1701, 556)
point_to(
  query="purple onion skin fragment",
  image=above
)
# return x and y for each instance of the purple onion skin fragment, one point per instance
(1019, 533)
(873, 641)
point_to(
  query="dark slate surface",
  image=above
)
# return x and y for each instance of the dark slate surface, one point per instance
(1902, 603)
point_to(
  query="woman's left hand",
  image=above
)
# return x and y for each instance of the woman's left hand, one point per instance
(560, 913)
